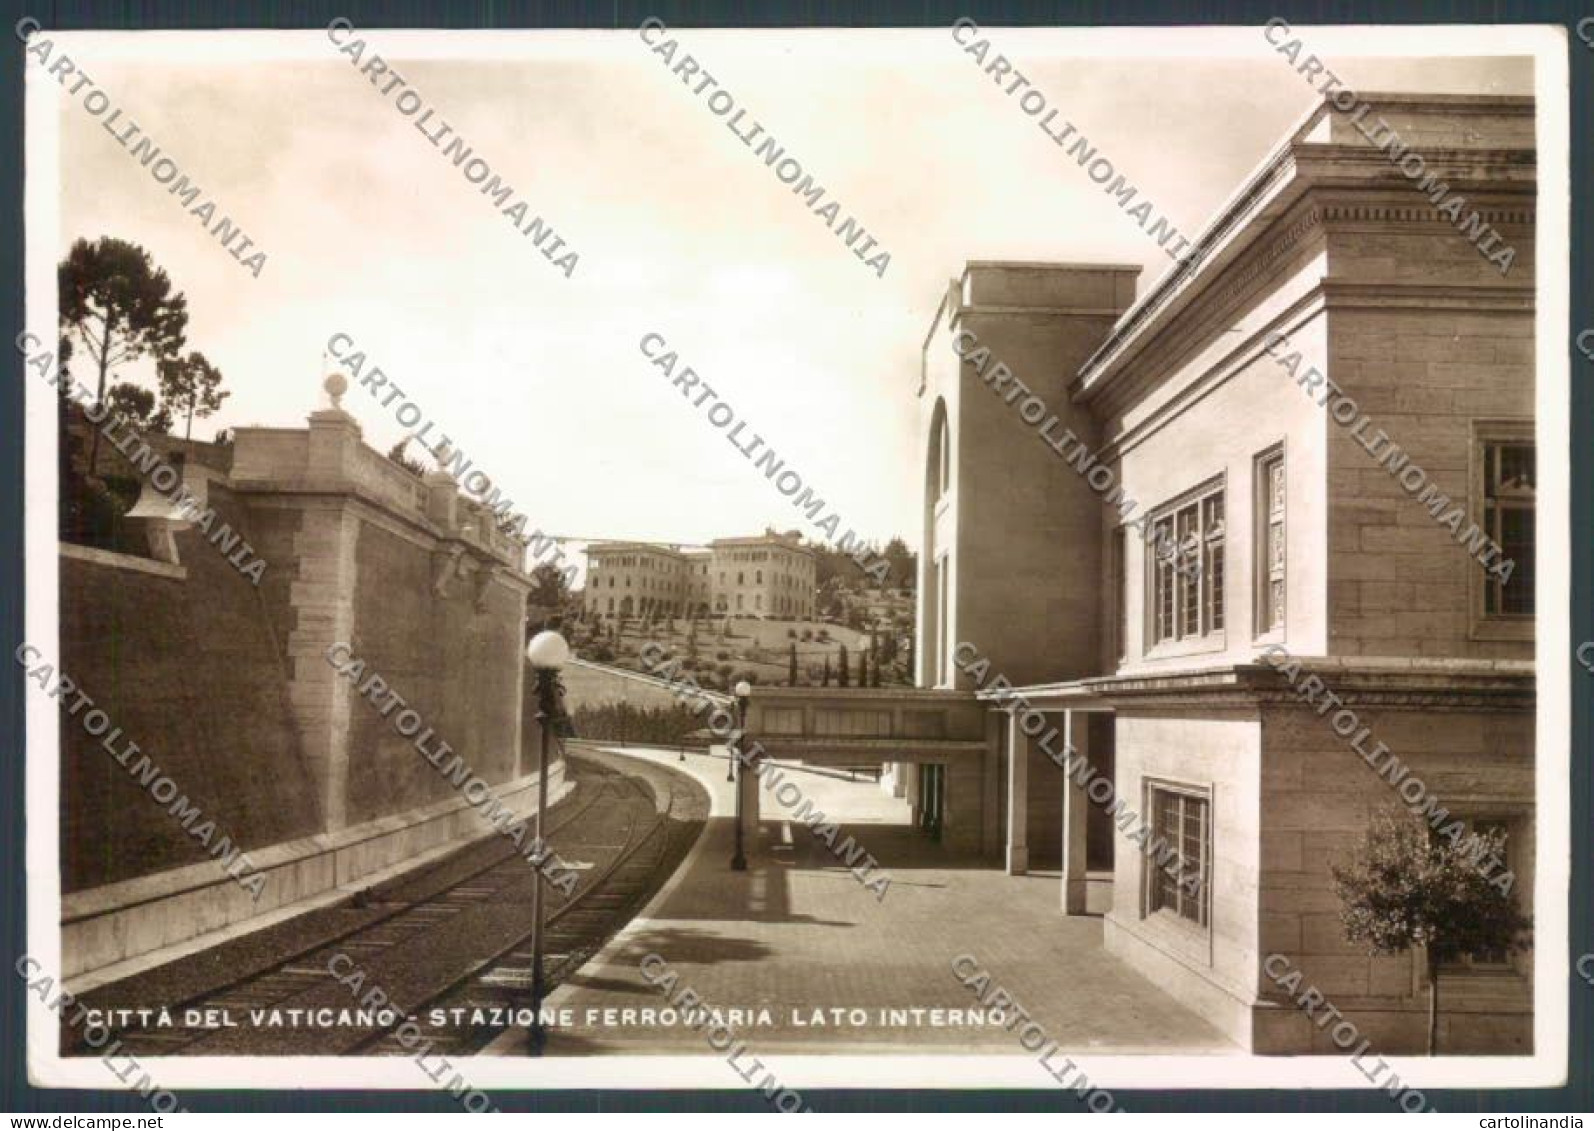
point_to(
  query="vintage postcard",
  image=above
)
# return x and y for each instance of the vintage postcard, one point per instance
(666, 557)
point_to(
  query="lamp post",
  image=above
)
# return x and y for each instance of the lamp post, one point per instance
(547, 652)
(739, 861)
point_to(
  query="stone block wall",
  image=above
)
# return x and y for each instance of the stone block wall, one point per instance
(228, 688)
(1318, 797)
(191, 671)
(1211, 971)
(1399, 581)
(460, 668)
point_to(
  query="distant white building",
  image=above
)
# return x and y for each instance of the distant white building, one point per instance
(769, 575)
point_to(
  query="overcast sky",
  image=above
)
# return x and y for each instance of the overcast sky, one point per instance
(370, 231)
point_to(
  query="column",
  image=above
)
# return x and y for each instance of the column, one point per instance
(1017, 798)
(1076, 733)
(991, 787)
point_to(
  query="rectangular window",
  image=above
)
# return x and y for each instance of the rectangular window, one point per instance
(1270, 542)
(1163, 549)
(1181, 822)
(1120, 591)
(1510, 482)
(1212, 561)
(1187, 569)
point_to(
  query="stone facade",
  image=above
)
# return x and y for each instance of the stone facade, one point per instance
(228, 687)
(769, 575)
(1205, 405)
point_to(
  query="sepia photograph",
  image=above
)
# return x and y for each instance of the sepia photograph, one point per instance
(781, 560)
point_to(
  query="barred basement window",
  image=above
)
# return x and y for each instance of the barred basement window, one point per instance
(1182, 821)
(1187, 569)
(1510, 481)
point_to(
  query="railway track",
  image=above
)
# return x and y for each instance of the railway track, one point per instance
(464, 946)
(575, 929)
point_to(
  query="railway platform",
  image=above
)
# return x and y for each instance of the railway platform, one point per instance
(810, 960)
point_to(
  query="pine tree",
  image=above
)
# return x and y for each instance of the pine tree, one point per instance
(842, 676)
(791, 674)
(191, 386)
(826, 681)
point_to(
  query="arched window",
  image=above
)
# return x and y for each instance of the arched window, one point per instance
(938, 472)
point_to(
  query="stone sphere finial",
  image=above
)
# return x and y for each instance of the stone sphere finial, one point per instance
(336, 385)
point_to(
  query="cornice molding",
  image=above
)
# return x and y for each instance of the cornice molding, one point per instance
(1456, 686)
(1314, 218)
(1317, 207)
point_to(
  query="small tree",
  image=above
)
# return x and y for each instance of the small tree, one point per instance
(191, 386)
(843, 678)
(863, 668)
(399, 454)
(550, 590)
(791, 674)
(825, 682)
(1410, 887)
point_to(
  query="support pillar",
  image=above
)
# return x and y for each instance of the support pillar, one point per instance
(1076, 733)
(1017, 798)
(991, 788)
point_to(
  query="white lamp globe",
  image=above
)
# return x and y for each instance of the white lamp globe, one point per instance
(548, 651)
(743, 689)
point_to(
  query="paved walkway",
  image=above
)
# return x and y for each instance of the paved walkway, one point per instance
(798, 933)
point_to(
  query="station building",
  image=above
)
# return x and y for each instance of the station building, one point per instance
(1151, 521)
